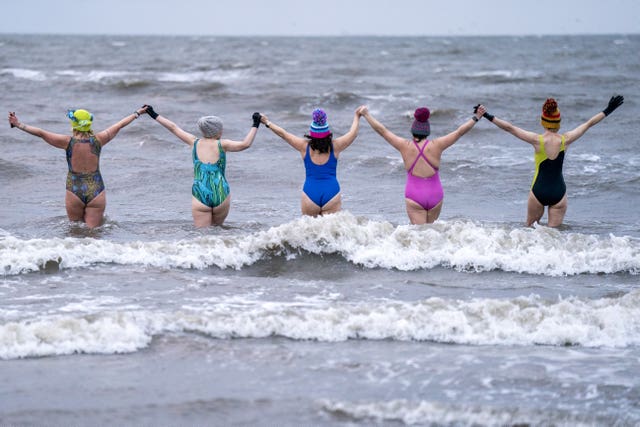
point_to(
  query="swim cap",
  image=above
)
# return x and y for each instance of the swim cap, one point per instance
(80, 120)
(210, 126)
(319, 127)
(421, 126)
(550, 118)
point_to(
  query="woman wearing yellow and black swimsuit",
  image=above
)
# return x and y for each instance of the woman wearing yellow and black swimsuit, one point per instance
(548, 187)
(85, 199)
(211, 200)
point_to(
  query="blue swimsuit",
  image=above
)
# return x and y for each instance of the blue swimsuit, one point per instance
(210, 186)
(321, 184)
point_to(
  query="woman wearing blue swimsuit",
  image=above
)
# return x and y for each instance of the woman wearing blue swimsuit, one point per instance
(85, 198)
(320, 152)
(211, 200)
(548, 187)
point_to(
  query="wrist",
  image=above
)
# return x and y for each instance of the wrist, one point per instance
(136, 114)
(475, 119)
(268, 124)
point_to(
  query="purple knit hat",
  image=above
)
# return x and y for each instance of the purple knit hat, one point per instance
(319, 127)
(421, 126)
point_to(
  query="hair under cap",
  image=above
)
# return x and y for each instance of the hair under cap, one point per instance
(550, 118)
(421, 126)
(210, 126)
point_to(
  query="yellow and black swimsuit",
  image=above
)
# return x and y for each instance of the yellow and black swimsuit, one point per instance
(548, 183)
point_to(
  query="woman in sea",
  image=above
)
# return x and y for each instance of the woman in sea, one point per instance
(548, 188)
(211, 198)
(320, 152)
(423, 191)
(85, 199)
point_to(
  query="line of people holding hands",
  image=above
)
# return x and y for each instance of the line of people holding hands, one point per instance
(85, 198)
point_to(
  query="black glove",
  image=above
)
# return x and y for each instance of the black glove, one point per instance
(486, 115)
(150, 111)
(614, 103)
(256, 119)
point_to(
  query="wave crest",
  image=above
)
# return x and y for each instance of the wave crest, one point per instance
(461, 245)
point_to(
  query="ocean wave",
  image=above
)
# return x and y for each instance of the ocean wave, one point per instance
(428, 413)
(21, 73)
(531, 320)
(461, 245)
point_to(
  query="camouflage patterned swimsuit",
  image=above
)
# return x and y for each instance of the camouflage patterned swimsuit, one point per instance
(210, 187)
(86, 185)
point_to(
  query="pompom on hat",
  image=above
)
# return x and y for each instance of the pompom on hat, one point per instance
(319, 127)
(81, 120)
(421, 126)
(550, 118)
(210, 126)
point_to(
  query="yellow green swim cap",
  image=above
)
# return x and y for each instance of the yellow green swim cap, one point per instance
(80, 120)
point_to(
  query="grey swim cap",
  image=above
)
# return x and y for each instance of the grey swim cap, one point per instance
(210, 126)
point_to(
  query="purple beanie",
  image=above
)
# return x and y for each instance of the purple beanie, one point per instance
(319, 127)
(420, 126)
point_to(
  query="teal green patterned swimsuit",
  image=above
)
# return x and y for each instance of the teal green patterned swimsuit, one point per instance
(210, 187)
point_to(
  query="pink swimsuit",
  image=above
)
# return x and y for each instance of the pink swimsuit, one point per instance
(427, 192)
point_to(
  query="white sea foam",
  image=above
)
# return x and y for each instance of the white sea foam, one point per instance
(201, 76)
(21, 73)
(607, 322)
(423, 412)
(462, 245)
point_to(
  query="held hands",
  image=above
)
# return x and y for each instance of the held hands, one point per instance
(614, 103)
(485, 114)
(362, 110)
(257, 119)
(150, 111)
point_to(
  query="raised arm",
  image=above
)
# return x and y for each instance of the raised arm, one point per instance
(448, 140)
(342, 142)
(300, 144)
(525, 135)
(55, 139)
(396, 141)
(230, 145)
(184, 136)
(109, 133)
(576, 133)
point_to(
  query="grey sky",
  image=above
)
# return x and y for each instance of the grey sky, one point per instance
(326, 17)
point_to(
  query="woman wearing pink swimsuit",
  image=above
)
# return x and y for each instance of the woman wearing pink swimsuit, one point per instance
(423, 191)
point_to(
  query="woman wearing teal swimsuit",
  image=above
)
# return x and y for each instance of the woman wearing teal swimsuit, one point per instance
(548, 187)
(85, 199)
(210, 200)
(319, 151)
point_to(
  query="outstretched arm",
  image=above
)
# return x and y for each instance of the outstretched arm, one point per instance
(342, 142)
(55, 139)
(230, 145)
(525, 135)
(576, 133)
(184, 136)
(300, 144)
(393, 139)
(447, 141)
(108, 134)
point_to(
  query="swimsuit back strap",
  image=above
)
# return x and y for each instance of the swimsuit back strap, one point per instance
(562, 143)
(421, 154)
(195, 152)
